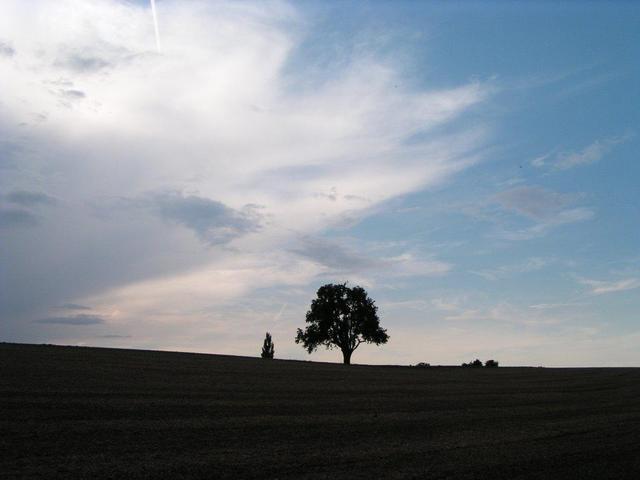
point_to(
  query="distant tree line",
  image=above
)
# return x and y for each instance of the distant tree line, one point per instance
(422, 365)
(478, 364)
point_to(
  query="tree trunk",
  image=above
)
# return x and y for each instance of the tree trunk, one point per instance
(346, 354)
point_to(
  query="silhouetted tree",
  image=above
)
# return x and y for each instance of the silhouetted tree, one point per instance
(491, 363)
(341, 317)
(268, 347)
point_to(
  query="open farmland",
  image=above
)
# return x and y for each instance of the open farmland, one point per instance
(70, 412)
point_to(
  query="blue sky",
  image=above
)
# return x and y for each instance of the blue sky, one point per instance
(474, 167)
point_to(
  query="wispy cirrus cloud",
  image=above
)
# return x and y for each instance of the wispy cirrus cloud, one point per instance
(75, 320)
(550, 306)
(534, 202)
(529, 265)
(460, 310)
(73, 306)
(592, 153)
(542, 228)
(538, 208)
(600, 287)
(343, 259)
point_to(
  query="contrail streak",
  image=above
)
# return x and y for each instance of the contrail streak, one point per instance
(279, 314)
(155, 23)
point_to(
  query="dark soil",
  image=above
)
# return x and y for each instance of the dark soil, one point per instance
(74, 412)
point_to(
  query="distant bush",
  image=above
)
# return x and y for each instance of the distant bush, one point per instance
(475, 364)
(491, 364)
(423, 365)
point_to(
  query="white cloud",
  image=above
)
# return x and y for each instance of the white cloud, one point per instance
(540, 161)
(547, 306)
(444, 304)
(592, 153)
(598, 287)
(409, 264)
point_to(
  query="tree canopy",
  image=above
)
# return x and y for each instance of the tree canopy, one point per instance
(341, 317)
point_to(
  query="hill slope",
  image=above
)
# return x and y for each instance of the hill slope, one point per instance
(105, 413)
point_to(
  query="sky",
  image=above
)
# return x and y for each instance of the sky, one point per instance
(473, 166)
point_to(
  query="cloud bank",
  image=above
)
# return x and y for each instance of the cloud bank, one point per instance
(163, 188)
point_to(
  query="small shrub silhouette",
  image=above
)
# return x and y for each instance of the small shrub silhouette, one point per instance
(491, 363)
(268, 347)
